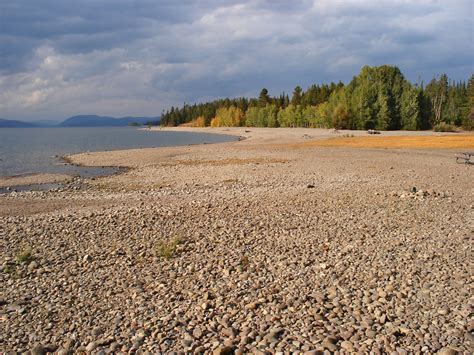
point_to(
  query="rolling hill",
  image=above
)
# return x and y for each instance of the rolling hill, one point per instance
(104, 121)
(4, 123)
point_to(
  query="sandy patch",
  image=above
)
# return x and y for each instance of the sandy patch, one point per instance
(33, 179)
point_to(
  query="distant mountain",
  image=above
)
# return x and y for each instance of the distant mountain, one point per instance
(16, 124)
(104, 121)
(46, 123)
(81, 121)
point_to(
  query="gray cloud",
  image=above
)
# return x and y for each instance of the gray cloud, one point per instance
(124, 57)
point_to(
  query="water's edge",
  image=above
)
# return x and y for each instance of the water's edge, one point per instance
(88, 172)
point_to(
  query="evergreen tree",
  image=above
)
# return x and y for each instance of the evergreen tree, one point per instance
(378, 97)
(296, 98)
(263, 98)
(468, 120)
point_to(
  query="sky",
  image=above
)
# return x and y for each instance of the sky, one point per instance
(60, 58)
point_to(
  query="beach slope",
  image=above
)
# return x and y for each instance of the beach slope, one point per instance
(286, 240)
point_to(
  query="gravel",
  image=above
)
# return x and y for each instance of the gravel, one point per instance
(359, 262)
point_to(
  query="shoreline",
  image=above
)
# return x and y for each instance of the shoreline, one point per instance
(291, 137)
(13, 182)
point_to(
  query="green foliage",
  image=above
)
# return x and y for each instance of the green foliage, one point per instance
(377, 98)
(437, 91)
(168, 249)
(263, 98)
(296, 98)
(316, 116)
(468, 121)
(10, 269)
(444, 127)
(341, 117)
(374, 98)
(25, 255)
(262, 116)
(410, 110)
(468, 107)
(338, 110)
(292, 116)
(384, 117)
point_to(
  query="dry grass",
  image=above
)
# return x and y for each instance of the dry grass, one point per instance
(230, 181)
(416, 142)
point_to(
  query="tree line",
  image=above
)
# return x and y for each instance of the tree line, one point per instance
(378, 98)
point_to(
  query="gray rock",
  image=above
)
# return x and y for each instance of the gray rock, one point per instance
(33, 265)
(224, 350)
(197, 332)
(347, 345)
(91, 346)
(447, 351)
(186, 342)
(330, 343)
(38, 350)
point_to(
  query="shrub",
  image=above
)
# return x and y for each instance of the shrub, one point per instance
(25, 255)
(198, 122)
(468, 122)
(167, 249)
(244, 262)
(444, 127)
(10, 269)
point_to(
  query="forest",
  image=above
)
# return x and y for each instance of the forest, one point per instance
(377, 98)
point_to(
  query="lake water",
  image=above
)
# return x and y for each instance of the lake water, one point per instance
(37, 150)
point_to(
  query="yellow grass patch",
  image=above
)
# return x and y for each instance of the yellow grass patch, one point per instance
(422, 142)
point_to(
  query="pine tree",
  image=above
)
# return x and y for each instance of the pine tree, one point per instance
(468, 121)
(263, 98)
(296, 98)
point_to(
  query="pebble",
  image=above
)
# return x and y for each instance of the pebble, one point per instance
(258, 263)
(447, 351)
(347, 345)
(91, 346)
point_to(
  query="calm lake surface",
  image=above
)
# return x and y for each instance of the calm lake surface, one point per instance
(37, 150)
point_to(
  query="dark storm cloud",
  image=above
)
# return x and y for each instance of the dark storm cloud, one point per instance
(58, 57)
(78, 26)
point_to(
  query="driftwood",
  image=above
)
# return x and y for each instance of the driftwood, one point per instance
(373, 131)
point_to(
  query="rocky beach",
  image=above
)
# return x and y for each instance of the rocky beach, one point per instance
(278, 242)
